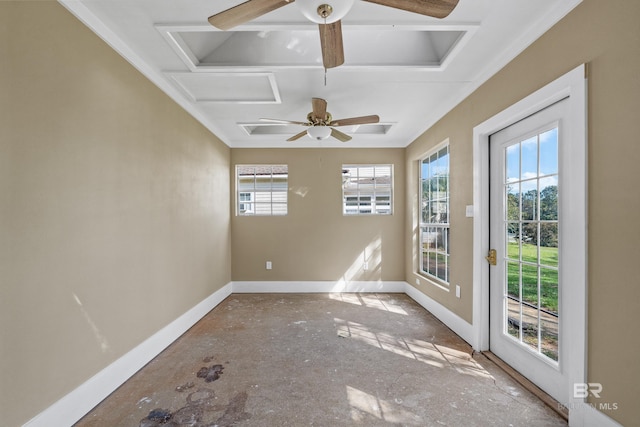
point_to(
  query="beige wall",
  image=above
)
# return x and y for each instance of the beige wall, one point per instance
(114, 208)
(315, 242)
(606, 36)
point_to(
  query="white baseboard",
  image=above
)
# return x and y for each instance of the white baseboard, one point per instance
(80, 401)
(70, 408)
(584, 415)
(456, 323)
(317, 287)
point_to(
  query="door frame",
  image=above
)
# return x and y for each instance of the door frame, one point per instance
(573, 86)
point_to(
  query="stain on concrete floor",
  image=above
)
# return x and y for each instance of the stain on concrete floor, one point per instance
(210, 373)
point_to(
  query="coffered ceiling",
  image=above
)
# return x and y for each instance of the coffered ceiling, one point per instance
(409, 69)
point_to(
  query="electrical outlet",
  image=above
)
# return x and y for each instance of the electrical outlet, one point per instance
(417, 281)
(457, 291)
(365, 266)
(268, 265)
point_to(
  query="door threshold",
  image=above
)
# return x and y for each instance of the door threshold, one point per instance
(557, 407)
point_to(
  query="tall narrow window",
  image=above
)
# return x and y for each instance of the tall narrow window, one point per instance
(262, 189)
(434, 215)
(367, 189)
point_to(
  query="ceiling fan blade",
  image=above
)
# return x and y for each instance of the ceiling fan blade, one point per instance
(331, 44)
(297, 136)
(355, 121)
(340, 136)
(319, 106)
(245, 12)
(435, 8)
(285, 122)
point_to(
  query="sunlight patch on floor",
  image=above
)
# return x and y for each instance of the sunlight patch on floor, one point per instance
(436, 355)
(370, 301)
(363, 404)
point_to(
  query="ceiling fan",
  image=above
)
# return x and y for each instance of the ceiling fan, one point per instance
(320, 124)
(327, 14)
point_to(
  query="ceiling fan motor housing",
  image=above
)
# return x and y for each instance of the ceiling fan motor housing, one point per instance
(314, 121)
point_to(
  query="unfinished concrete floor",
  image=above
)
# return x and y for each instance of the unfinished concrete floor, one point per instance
(320, 360)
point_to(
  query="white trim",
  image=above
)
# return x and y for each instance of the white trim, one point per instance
(572, 85)
(456, 323)
(317, 287)
(584, 415)
(70, 408)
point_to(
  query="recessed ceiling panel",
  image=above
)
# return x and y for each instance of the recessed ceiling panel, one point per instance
(400, 47)
(245, 88)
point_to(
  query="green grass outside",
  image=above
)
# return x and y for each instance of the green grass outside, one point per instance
(548, 276)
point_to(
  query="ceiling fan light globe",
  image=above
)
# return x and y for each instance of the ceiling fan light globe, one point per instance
(319, 132)
(309, 9)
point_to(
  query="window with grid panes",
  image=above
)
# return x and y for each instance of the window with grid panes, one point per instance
(262, 189)
(367, 189)
(434, 215)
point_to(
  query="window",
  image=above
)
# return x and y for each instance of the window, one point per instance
(262, 189)
(245, 207)
(434, 215)
(367, 189)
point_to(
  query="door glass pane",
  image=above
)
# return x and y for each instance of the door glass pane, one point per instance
(513, 202)
(549, 199)
(531, 224)
(550, 336)
(513, 318)
(513, 163)
(549, 289)
(529, 200)
(530, 284)
(530, 326)
(513, 244)
(529, 242)
(529, 151)
(513, 280)
(549, 244)
(549, 152)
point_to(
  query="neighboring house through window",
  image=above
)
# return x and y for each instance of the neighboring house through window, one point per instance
(367, 189)
(434, 214)
(262, 189)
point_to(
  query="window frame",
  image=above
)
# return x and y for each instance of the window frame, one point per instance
(358, 196)
(258, 207)
(425, 227)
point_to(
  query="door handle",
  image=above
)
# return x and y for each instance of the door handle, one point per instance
(492, 258)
